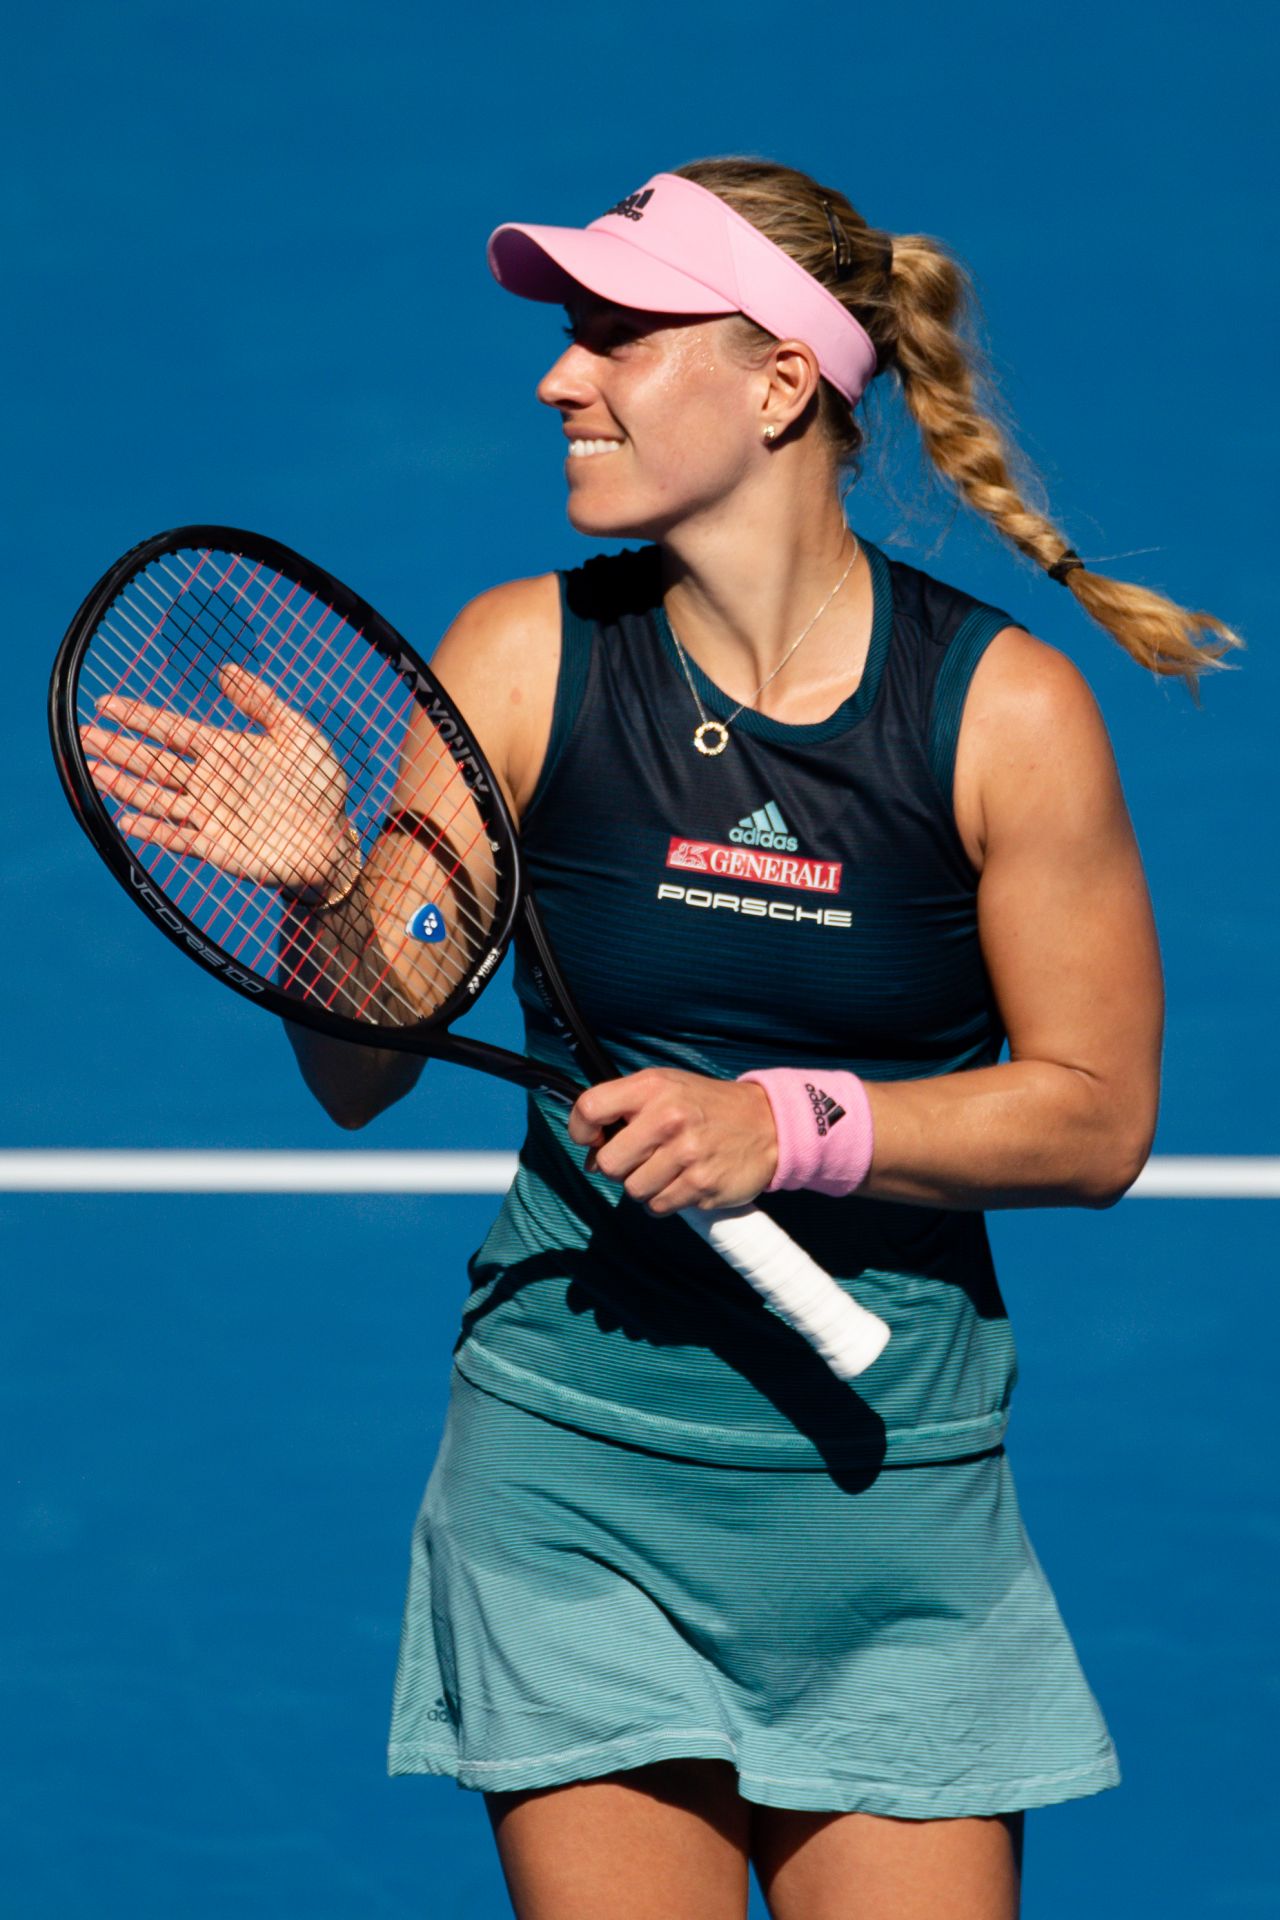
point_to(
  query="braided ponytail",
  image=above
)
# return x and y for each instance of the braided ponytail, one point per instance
(918, 303)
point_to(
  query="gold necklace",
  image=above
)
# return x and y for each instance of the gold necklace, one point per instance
(721, 727)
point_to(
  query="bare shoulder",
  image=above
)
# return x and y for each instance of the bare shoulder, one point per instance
(1031, 735)
(504, 635)
(498, 659)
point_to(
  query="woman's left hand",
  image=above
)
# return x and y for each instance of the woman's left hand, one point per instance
(687, 1140)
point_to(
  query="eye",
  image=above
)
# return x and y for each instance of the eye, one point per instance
(613, 333)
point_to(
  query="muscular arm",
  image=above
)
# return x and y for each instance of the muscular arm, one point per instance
(1069, 940)
(352, 1082)
(498, 661)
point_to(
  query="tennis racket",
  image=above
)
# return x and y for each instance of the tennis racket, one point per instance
(279, 783)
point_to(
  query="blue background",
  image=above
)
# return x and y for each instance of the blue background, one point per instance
(244, 256)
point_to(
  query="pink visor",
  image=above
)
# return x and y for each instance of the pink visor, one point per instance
(675, 247)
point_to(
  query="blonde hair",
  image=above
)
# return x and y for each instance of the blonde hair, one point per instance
(921, 312)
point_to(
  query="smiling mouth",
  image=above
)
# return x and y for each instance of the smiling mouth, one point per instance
(590, 449)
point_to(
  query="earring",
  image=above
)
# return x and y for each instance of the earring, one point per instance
(769, 432)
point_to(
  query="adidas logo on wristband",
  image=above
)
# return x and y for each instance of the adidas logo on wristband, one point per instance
(825, 1110)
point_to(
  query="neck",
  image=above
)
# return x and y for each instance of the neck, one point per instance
(739, 595)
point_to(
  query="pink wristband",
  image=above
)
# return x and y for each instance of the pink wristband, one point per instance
(823, 1122)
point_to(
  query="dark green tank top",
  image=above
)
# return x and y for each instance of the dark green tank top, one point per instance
(803, 899)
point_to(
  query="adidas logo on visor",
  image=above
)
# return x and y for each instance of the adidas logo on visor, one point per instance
(764, 828)
(632, 205)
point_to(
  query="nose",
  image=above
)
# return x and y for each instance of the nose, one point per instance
(568, 378)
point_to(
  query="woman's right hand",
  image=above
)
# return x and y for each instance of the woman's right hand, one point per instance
(268, 806)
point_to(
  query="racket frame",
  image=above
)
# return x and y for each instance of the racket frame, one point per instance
(516, 912)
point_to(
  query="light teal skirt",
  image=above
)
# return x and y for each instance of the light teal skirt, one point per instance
(576, 1605)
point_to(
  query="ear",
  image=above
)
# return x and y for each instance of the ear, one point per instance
(793, 378)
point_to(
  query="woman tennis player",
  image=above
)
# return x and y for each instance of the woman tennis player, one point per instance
(813, 833)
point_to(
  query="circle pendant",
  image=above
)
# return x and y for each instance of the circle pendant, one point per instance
(711, 727)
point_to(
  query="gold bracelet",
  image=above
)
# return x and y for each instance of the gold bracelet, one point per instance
(323, 906)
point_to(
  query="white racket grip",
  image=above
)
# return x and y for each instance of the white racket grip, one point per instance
(847, 1336)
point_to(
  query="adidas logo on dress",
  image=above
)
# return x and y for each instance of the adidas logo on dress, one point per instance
(764, 828)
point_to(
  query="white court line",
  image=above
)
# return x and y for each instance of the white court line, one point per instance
(1172, 1176)
(37, 1170)
(108, 1170)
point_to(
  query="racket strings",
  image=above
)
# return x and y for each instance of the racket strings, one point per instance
(364, 982)
(325, 680)
(424, 911)
(470, 908)
(169, 612)
(173, 692)
(353, 990)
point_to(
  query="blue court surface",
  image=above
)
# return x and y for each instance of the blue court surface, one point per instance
(244, 256)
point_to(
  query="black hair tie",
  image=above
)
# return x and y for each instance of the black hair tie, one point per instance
(844, 261)
(840, 246)
(1063, 565)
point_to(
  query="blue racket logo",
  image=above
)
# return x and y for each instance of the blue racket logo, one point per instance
(427, 923)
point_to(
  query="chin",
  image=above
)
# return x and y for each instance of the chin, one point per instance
(601, 524)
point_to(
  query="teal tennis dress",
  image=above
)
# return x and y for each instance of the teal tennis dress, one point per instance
(657, 1525)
